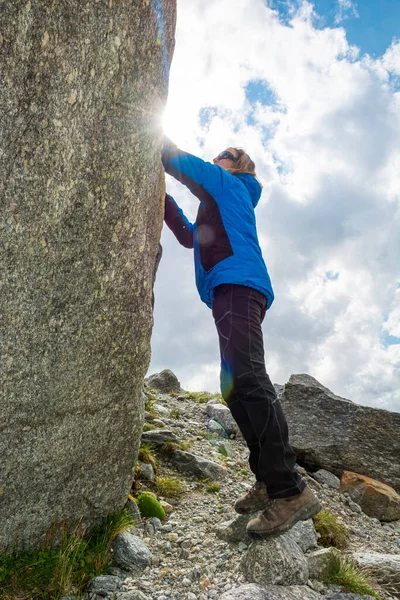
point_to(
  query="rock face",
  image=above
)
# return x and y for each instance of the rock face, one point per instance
(333, 433)
(82, 192)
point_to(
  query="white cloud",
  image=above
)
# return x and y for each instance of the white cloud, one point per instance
(327, 152)
(391, 58)
(346, 10)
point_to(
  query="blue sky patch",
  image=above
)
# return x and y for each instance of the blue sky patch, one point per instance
(390, 340)
(331, 276)
(258, 90)
(371, 25)
(206, 114)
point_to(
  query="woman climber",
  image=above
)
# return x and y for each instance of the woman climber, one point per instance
(232, 279)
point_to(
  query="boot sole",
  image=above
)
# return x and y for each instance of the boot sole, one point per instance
(254, 508)
(303, 514)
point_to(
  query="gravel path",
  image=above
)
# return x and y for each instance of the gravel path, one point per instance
(189, 561)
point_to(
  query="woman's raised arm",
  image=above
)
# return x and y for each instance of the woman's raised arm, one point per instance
(178, 223)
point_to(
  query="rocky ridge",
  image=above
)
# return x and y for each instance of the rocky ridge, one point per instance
(201, 550)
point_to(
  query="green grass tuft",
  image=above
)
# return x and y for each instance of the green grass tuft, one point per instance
(149, 427)
(68, 558)
(170, 487)
(146, 456)
(174, 413)
(213, 488)
(201, 397)
(331, 531)
(185, 445)
(168, 449)
(344, 572)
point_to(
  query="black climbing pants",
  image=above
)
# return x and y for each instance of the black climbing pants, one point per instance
(238, 312)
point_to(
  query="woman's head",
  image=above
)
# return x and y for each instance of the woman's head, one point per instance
(235, 160)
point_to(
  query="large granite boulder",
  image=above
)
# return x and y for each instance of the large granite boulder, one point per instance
(82, 189)
(333, 433)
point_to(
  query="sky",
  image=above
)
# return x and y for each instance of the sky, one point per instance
(311, 90)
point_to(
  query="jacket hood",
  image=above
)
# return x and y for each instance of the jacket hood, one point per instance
(252, 185)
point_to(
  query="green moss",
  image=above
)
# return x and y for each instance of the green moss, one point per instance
(69, 557)
(332, 533)
(213, 488)
(170, 487)
(149, 506)
(243, 472)
(347, 574)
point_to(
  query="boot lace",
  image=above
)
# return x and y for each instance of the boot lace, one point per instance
(269, 507)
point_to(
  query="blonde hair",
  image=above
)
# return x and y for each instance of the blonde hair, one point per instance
(244, 164)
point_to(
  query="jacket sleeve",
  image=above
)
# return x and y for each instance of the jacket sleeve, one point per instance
(198, 175)
(178, 223)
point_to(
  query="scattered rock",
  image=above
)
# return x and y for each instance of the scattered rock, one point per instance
(133, 595)
(222, 415)
(134, 510)
(166, 382)
(186, 462)
(104, 585)
(158, 437)
(146, 471)
(249, 591)
(252, 591)
(294, 592)
(385, 568)
(324, 476)
(304, 534)
(375, 498)
(278, 561)
(162, 410)
(130, 553)
(319, 560)
(215, 428)
(342, 596)
(234, 531)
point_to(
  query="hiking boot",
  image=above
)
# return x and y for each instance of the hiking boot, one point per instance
(255, 499)
(282, 513)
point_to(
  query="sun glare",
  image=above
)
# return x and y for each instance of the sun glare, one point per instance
(177, 123)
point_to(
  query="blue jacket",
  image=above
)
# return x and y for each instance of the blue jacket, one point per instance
(224, 235)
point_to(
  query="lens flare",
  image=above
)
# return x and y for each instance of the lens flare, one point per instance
(226, 381)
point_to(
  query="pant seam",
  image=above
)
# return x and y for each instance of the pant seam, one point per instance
(269, 403)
